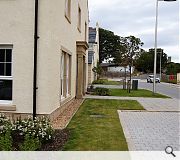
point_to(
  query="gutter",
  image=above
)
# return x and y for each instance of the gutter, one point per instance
(35, 58)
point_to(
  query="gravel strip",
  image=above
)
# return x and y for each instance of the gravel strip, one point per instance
(63, 119)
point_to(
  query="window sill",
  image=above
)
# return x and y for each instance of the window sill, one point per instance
(7, 107)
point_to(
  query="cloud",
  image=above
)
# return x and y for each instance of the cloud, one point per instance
(137, 18)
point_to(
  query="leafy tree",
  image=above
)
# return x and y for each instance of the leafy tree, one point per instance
(133, 47)
(108, 44)
(173, 68)
(145, 61)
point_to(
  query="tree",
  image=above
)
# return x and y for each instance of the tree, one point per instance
(172, 68)
(145, 61)
(132, 47)
(98, 70)
(108, 44)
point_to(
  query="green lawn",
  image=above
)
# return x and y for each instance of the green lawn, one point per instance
(91, 133)
(107, 82)
(136, 93)
(112, 83)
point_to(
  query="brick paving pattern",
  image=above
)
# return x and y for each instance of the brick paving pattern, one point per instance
(151, 131)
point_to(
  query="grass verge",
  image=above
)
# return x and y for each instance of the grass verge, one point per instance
(107, 82)
(113, 83)
(136, 93)
(96, 126)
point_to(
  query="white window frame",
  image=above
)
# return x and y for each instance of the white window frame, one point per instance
(68, 75)
(65, 74)
(62, 75)
(4, 46)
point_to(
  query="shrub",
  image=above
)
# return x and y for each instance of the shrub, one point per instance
(30, 143)
(5, 124)
(100, 81)
(6, 141)
(31, 133)
(40, 127)
(102, 91)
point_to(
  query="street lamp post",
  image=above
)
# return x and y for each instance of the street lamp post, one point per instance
(160, 64)
(155, 44)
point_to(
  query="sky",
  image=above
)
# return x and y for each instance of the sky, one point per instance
(137, 18)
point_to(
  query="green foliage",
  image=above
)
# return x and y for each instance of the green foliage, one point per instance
(108, 44)
(31, 132)
(173, 68)
(6, 141)
(102, 91)
(98, 70)
(40, 127)
(123, 50)
(99, 81)
(145, 61)
(5, 124)
(30, 143)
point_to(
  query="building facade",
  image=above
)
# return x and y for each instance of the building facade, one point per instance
(93, 52)
(62, 60)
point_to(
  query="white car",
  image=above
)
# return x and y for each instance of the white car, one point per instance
(150, 79)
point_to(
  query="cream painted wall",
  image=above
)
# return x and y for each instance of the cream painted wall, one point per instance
(55, 32)
(17, 27)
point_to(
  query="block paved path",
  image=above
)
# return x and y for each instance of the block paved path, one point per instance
(151, 131)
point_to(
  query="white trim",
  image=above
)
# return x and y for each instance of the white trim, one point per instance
(8, 46)
(6, 77)
(62, 75)
(67, 75)
(5, 102)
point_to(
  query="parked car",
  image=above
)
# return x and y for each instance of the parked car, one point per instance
(150, 79)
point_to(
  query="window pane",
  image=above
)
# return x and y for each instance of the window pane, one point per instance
(1, 69)
(2, 55)
(5, 89)
(8, 55)
(8, 69)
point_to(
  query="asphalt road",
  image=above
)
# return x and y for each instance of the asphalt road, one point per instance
(170, 90)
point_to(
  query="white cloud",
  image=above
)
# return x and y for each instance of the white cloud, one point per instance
(128, 17)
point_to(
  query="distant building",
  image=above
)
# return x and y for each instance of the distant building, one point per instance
(93, 52)
(169, 60)
(113, 68)
(159, 50)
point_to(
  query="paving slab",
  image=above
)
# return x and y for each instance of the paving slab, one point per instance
(151, 131)
(159, 104)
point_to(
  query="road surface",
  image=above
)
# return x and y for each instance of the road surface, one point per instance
(170, 90)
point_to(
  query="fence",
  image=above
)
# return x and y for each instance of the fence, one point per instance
(169, 78)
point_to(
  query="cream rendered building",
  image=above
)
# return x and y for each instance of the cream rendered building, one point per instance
(93, 52)
(61, 45)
